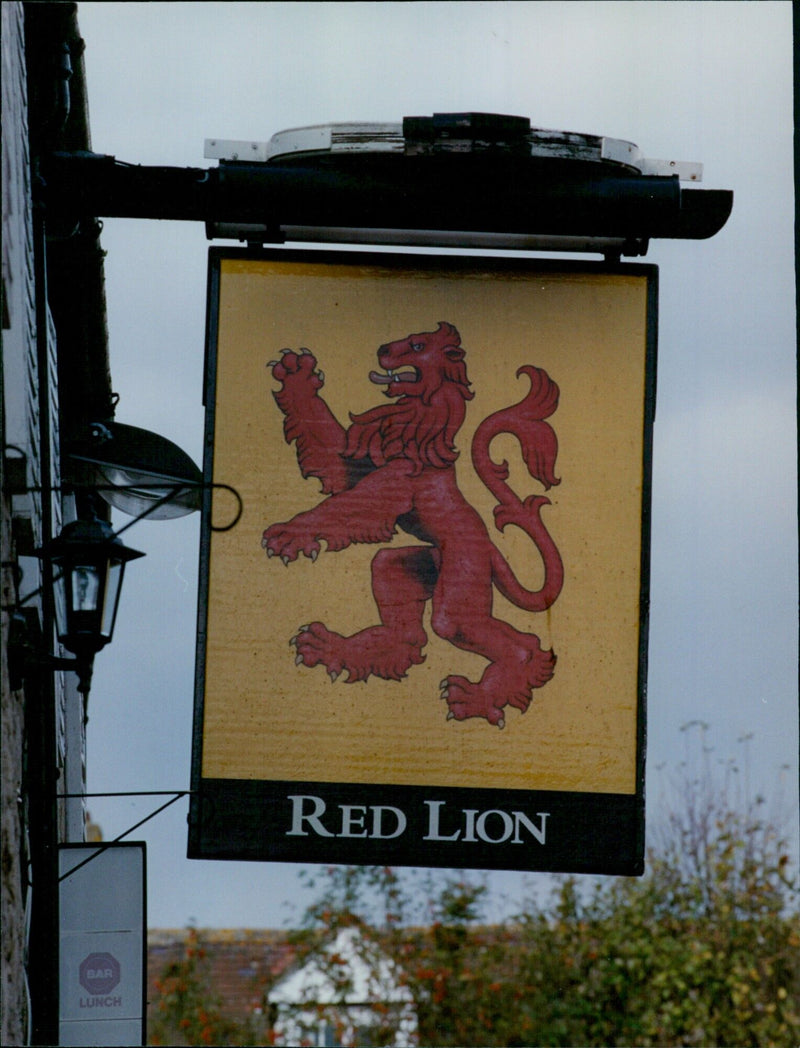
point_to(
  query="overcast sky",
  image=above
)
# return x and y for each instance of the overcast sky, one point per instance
(708, 82)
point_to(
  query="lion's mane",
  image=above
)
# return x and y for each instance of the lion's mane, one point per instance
(413, 428)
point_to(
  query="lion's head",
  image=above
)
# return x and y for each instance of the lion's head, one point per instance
(427, 373)
(417, 365)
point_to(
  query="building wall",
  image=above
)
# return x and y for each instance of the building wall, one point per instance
(20, 469)
(31, 456)
(54, 380)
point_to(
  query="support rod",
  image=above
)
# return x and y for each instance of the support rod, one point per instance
(505, 194)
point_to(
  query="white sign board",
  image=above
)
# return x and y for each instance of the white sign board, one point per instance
(103, 943)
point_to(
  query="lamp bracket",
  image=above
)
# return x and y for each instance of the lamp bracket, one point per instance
(28, 656)
(171, 489)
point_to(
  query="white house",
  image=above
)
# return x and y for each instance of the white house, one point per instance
(342, 996)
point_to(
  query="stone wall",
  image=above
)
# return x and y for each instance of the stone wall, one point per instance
(20, 464)
(53, 379)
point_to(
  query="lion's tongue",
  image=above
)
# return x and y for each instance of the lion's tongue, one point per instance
(381, 379)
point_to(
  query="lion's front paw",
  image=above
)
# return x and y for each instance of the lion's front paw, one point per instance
(288, 541)
(297, 371)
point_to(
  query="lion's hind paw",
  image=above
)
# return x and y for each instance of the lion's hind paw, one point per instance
(503, 684)
(313, 645)
(466, 699)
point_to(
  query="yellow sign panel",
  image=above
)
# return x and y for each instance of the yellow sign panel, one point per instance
(437, 579)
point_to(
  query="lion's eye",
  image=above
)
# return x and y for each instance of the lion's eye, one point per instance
(417, 346)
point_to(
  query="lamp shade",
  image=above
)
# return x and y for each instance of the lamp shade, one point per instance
(89, 563)
(140, 472)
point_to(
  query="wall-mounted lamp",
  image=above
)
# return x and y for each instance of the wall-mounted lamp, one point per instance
(140, 472)
(144, 475)
(88, 562)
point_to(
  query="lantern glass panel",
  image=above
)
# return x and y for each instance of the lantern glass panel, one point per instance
(61, 596)
(85, 587)
(113, 587)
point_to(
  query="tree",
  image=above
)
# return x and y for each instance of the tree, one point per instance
(704, 949)
(187, 1011)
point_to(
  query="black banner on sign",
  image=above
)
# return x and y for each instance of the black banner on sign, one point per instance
(410, 826)
(425, 640)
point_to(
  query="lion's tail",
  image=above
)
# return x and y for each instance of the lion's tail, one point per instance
(539, 447)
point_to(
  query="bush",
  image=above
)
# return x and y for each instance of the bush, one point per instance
(187, 1011)
(703, 950)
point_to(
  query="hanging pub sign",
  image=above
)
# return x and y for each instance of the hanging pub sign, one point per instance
(425, 641)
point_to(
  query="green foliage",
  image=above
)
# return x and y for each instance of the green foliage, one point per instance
(658, 961)
(187, 1011)
(703, 950)
(637, 963)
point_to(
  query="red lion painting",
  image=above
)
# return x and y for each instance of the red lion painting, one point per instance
(394, 468)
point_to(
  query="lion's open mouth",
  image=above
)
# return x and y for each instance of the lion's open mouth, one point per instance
(406, 375)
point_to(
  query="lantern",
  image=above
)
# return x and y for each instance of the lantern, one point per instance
(89, 562)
